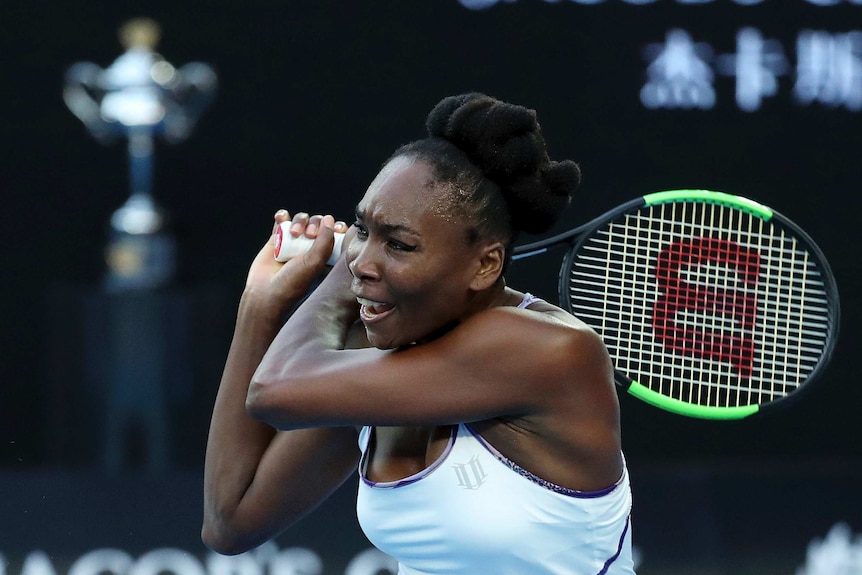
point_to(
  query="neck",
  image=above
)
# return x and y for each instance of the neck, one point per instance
(495, 296)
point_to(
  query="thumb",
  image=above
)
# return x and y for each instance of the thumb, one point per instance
(321, 248)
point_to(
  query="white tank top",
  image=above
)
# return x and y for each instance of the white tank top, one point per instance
(473, 512)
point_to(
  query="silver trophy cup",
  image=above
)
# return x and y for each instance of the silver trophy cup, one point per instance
(139, 97)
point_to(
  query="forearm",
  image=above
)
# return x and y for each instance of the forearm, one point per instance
(236, 442)
(291, 387)
(256, 478)
(320, 325)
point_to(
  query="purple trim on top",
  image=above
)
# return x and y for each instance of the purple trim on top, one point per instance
(528, 300)
(412, 478)
(538, 480)
(610, 561)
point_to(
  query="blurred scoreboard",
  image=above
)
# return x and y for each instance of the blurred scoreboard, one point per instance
(808, 52)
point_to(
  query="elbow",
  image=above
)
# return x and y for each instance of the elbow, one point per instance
(259, 402)
(267, 402)
(283, 401)
(229, 527)
(224, 541)
(218, 543)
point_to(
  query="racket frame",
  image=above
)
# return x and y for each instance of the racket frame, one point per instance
(575, 238)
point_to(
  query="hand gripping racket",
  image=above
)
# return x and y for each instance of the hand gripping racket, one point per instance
(711, 305)
(287, 246)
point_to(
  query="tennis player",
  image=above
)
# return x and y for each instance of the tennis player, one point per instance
(483, 422)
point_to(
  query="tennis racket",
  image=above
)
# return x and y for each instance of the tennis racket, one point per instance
(711, 305)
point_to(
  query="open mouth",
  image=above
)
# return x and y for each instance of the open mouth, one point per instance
(371, 311)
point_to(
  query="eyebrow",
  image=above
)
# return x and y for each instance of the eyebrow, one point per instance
(386, 228)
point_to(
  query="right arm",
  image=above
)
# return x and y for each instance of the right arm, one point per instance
(258, 481)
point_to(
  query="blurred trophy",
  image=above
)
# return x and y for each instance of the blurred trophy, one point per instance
(139, 97)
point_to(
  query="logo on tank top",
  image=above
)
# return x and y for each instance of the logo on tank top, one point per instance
(470, 475)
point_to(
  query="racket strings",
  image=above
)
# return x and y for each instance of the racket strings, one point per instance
(703, 302)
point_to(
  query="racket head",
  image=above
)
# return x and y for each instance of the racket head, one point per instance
(711, 305)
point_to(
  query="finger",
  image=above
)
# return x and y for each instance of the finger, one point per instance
(323, 239)
(315, 222)
(300, 222)
(280, 216)
(340, 227)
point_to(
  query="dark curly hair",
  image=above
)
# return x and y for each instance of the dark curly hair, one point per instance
(493, 157)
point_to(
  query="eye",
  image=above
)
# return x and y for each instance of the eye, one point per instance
(361, 230)
(399, 246)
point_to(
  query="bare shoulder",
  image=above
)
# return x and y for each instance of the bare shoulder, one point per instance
(540, 324)
(556, 348)
(572, 435)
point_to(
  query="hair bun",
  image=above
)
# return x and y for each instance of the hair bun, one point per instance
(502, 139)
(562, 177)
(505, 142)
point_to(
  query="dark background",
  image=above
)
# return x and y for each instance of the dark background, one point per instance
(313, 96)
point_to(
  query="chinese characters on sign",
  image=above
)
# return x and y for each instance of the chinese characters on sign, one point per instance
(681, 72)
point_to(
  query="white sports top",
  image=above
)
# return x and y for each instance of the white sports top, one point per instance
(473, 512)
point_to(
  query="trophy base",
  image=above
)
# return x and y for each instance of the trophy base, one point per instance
(141, 255)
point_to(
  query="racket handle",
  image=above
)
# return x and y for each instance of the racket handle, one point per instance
(287, 246)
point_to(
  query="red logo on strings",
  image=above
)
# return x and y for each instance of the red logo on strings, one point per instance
(680, 294)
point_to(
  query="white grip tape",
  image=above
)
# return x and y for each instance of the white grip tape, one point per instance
(287, 246)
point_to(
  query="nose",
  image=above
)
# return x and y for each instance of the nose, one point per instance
(362, 261)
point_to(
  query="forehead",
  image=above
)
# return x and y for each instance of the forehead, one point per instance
(404, 190)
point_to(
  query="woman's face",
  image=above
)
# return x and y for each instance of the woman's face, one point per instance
(412, 266)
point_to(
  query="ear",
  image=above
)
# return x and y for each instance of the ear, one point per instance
(490, 266)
